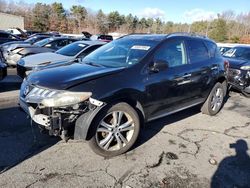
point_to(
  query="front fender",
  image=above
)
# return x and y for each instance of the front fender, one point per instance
(83, 123)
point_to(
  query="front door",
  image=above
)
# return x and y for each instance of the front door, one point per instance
(169, 90)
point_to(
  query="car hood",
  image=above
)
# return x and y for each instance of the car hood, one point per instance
(237, 63)
(44, 59)
(13, 42)
(34, 50)
(15, 46)
(64, 77)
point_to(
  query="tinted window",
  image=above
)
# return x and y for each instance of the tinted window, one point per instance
(173, 52)
(59, 43)
(197, 51)
(43, 42)
(71, 49)
(238, 52)
(89, 50)
(213, 50)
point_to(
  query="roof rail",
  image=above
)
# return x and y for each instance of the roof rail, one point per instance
(192, 34)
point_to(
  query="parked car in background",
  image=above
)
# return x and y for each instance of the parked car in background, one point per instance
(73, 51)
(239, 68)
(104, 38)
(45, 45)
(7, 37)
(48, 34)
(18, 32)
(107, 97)
(223, 47)
(7, 47)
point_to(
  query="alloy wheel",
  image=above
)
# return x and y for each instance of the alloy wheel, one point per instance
(115, 131)
(217, 99)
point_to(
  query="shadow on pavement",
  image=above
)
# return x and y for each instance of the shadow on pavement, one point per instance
(234, 171)
(18, 139)
(152, 128)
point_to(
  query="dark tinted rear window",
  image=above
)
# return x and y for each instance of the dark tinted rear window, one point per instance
(105, 37)
(197, 51)
(213, 50)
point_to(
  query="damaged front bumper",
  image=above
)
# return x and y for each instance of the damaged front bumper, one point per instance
(239, 79)
(58, 120)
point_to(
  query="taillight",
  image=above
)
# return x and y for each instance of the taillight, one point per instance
(226, 65)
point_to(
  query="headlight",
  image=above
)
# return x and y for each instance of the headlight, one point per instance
(246, 67)
(50, 98)
(21, 62)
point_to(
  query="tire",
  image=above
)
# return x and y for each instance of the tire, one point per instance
(214, 101)
(106, 136)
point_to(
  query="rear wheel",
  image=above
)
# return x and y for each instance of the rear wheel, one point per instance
(115, 130)
(214, 101)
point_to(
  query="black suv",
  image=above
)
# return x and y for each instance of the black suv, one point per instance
(107, 97)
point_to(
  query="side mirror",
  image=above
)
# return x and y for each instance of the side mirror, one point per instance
(158, 66)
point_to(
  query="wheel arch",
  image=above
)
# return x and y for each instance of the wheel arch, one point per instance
(84, 124)
(223, 81)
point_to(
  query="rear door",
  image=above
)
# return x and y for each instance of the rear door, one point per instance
(201, 68)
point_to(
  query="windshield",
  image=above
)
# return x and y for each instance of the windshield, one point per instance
(120, 53)
(238, 52)
(43, 42)
(71, 49)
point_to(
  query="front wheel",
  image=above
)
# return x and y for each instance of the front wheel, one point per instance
(214, 101)
(115, 130)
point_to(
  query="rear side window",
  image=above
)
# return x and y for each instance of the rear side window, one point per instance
(213, 50)
(197, 51)
(89, 50)
(173, 52)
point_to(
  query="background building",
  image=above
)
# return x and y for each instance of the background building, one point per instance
(11, 21)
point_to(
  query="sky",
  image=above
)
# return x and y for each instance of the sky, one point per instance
(183, 11)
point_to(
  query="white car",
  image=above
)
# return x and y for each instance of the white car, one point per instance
(73, 51)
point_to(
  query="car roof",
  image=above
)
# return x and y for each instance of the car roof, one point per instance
(160, 37)
(153, 37)
(61, 38)
(90, 42)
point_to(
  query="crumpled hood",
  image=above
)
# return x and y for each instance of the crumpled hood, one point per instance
(12, 43)
(15, 46)
(64, 77)
(237, 63)
(43, 59)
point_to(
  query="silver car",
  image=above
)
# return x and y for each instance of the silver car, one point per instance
(71, 52)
